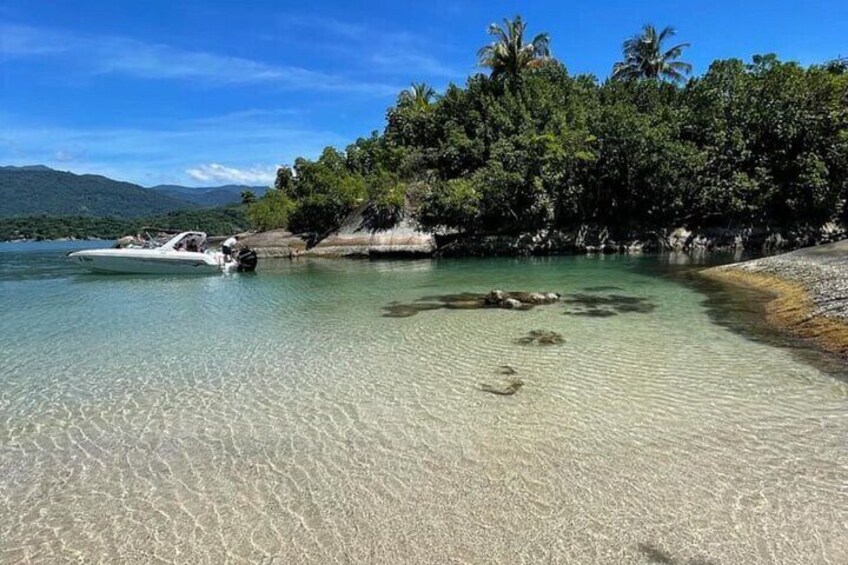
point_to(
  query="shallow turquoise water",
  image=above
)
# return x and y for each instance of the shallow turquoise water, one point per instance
(283, 417)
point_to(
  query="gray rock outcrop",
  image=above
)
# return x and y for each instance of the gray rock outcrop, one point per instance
(356, 238)
(274, 243)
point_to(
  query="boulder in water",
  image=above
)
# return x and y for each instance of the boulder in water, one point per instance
(541, 337)
(514, 299)
(511, 300)
(510, 303)
(507, 389)
(495, 297)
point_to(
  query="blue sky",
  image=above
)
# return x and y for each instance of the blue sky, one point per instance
(205, 92)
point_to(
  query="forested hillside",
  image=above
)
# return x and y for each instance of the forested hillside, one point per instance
(211, 195)
(26, 191)
(214, 221)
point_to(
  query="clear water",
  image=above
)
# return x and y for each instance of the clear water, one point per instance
(282, 418)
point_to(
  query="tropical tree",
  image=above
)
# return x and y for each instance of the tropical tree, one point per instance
(271, 211)
(645, 57)
(285, 180)
(419, 95)
(509, 54)
(248, 197)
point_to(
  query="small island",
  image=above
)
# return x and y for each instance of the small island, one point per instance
(527, 158)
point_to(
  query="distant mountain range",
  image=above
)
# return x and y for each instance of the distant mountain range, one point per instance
(209, 196)
(36, 189)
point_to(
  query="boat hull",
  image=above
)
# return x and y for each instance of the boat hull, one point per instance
(187, 264)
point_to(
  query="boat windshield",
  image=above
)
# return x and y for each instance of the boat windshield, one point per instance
(189, 241)
(142, 240)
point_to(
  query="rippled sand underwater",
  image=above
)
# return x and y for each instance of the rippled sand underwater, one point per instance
(290, 417)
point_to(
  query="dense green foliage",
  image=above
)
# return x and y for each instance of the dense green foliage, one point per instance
(270, 212)
(762, 144)
(28, 191)
(216, 221)
(247, 196)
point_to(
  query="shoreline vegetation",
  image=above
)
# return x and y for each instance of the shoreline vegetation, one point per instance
(526, 158)
(809, 290)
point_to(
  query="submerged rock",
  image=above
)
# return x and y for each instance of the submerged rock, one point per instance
(495, 297)
(510, 300)
(398, 310)
(510, 303)
(507, 389)
(541, 337)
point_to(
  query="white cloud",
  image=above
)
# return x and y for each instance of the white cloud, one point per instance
(130, 57)
(215, 172)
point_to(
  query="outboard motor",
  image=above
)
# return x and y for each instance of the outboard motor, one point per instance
(246, 260)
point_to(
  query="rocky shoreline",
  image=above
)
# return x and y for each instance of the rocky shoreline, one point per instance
(809, 288)
(405, 239)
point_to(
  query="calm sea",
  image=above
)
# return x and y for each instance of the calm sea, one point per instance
(331, 412)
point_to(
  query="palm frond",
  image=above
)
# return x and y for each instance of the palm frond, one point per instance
(680, 66)
(667, 32)
(676, 51)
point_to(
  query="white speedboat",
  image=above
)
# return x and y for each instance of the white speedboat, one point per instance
(184, 253)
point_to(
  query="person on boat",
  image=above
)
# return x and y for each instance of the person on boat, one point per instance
(227, 247)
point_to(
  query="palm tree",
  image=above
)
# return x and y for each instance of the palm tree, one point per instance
(508, 55)
(646, 58)
(419, 95)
